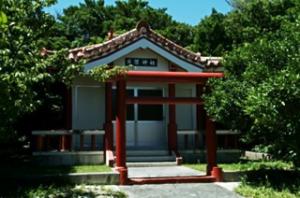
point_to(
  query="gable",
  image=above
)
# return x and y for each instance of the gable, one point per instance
(144, 47)
(160, 63)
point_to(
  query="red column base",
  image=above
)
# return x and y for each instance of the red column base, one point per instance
(217, 173)
(40, 143)
(62, 145)
(123, 175)
(178, 160)
(110, 160)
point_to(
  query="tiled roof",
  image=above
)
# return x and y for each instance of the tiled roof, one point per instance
(142, 30)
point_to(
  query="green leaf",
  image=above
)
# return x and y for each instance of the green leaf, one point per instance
(3, 18)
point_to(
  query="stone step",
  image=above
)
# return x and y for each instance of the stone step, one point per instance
(165, 180)
(165, 158)
(147, 153)
(150, 164)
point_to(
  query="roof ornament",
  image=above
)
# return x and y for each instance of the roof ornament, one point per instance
(110, 34)
(143, 26)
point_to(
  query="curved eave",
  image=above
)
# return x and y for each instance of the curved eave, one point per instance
(144, 43)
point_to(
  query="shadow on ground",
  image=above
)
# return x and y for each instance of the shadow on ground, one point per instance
(274, 178)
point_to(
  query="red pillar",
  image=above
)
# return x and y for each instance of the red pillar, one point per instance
(62, 145)
(40, 143)
(68, 105)
(200, 116)
(172, 127)
(120, 132)
(108, 126)
(68, 111)
(211, 145)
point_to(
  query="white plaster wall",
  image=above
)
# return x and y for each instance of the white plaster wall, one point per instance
(185, 113)
(88, 104)
(162, 63)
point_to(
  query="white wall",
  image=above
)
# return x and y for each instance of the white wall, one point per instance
(162, 63)
(186, 113)
(88, 99)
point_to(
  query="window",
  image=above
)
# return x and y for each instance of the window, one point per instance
(150, 112)
(130, 107)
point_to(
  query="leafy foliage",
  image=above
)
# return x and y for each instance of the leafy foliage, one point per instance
(210, 36)
(105, 72)
(64, 191)
(24, 72)
(260, 94)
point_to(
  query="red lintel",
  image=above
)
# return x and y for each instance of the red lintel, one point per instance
(162, 100)
(171, 77)
(174, 74)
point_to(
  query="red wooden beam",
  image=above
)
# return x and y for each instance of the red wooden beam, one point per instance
(166, 74)
(165, 80)
(170, 77)
(162, 100)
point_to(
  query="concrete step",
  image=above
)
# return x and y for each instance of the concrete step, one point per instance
(177, 179)
(150, 164)
(147, 153)
(165, 158)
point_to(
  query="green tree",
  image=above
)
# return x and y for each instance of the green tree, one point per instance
(251, 19)
(210, 37)
(260, 94)
(90, 21)
(180, 33)
(24, 73)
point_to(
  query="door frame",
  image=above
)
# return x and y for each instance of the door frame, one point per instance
(135, 121)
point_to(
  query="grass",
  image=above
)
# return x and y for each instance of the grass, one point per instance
(246, 165)
(263, 179)
(22, 165)
(13, 169)
(270, 183)
(29, 169)
(263, 191)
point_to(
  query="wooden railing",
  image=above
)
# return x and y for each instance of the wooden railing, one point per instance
(227, 139)
(62, 140)
(186, 134)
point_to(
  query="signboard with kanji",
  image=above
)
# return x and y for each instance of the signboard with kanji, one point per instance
(143, 62)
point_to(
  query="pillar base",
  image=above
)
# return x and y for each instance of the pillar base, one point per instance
(217, 173)
(179, 161)
(123, 179)
(109, 158)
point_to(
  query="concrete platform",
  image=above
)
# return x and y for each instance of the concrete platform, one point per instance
(162, 171)
(68, 158)
(101, 178)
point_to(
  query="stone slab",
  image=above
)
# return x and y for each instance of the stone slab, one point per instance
(162, 171)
